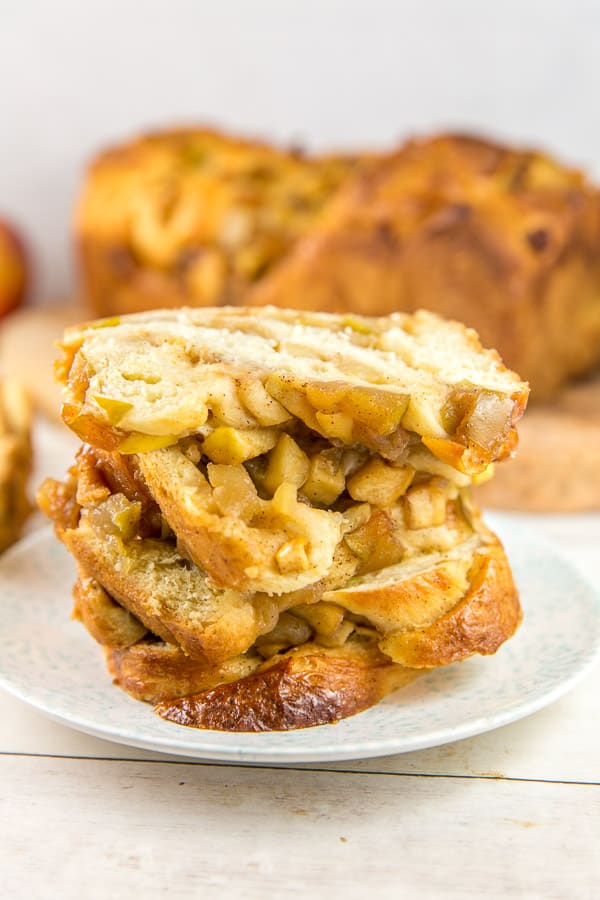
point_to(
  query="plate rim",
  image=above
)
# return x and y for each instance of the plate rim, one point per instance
(366, 748)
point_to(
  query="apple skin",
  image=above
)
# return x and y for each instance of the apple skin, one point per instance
(14, 268)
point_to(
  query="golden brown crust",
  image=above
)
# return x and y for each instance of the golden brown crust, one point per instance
(312, 685)
(488, 614)
(145, 577)
(302, 689)
(154, 671)
(411, 601)
(149, 578)
(142, 665)
(100, 565)
(309, 685)
(109, 623)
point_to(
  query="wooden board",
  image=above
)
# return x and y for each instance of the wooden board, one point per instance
(28, 350)
(122, 829)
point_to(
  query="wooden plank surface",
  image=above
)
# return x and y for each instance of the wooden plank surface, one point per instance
(98, 829)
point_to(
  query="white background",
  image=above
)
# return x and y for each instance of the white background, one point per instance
(78, 74)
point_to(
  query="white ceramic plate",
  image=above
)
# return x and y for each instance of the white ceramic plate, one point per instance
(50, 662)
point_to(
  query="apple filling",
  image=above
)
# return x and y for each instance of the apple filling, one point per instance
(266, 510)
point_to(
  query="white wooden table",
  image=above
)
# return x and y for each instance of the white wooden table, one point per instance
(512, 813)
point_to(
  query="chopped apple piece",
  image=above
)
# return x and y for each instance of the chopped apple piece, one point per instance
(489, 421)
(118, 516)
(327, 622)
(323, 618)
(425, 506)
(114, 409)
(287, 462)
(290, 631)
(377, 410)
(339, 636)
(422, 417)
(379, 483)
(326, 479)
(375, 543)
(232, 446)
(292, 398)
(336, 425)
(135, 442)
(233, 491)
(355, 516)
(259, 402)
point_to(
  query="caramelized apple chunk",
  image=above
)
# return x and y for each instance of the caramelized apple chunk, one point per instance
(326, 480)
(380, 483)
(287, 462)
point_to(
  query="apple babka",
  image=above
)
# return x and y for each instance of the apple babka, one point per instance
(271, 511)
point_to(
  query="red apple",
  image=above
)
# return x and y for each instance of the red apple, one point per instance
(13, 268)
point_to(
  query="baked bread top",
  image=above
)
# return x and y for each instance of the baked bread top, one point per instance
(196, 212)
(503, 239)
(141, 382)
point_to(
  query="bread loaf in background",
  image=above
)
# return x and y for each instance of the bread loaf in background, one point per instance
(194, 217)
(505, 240)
